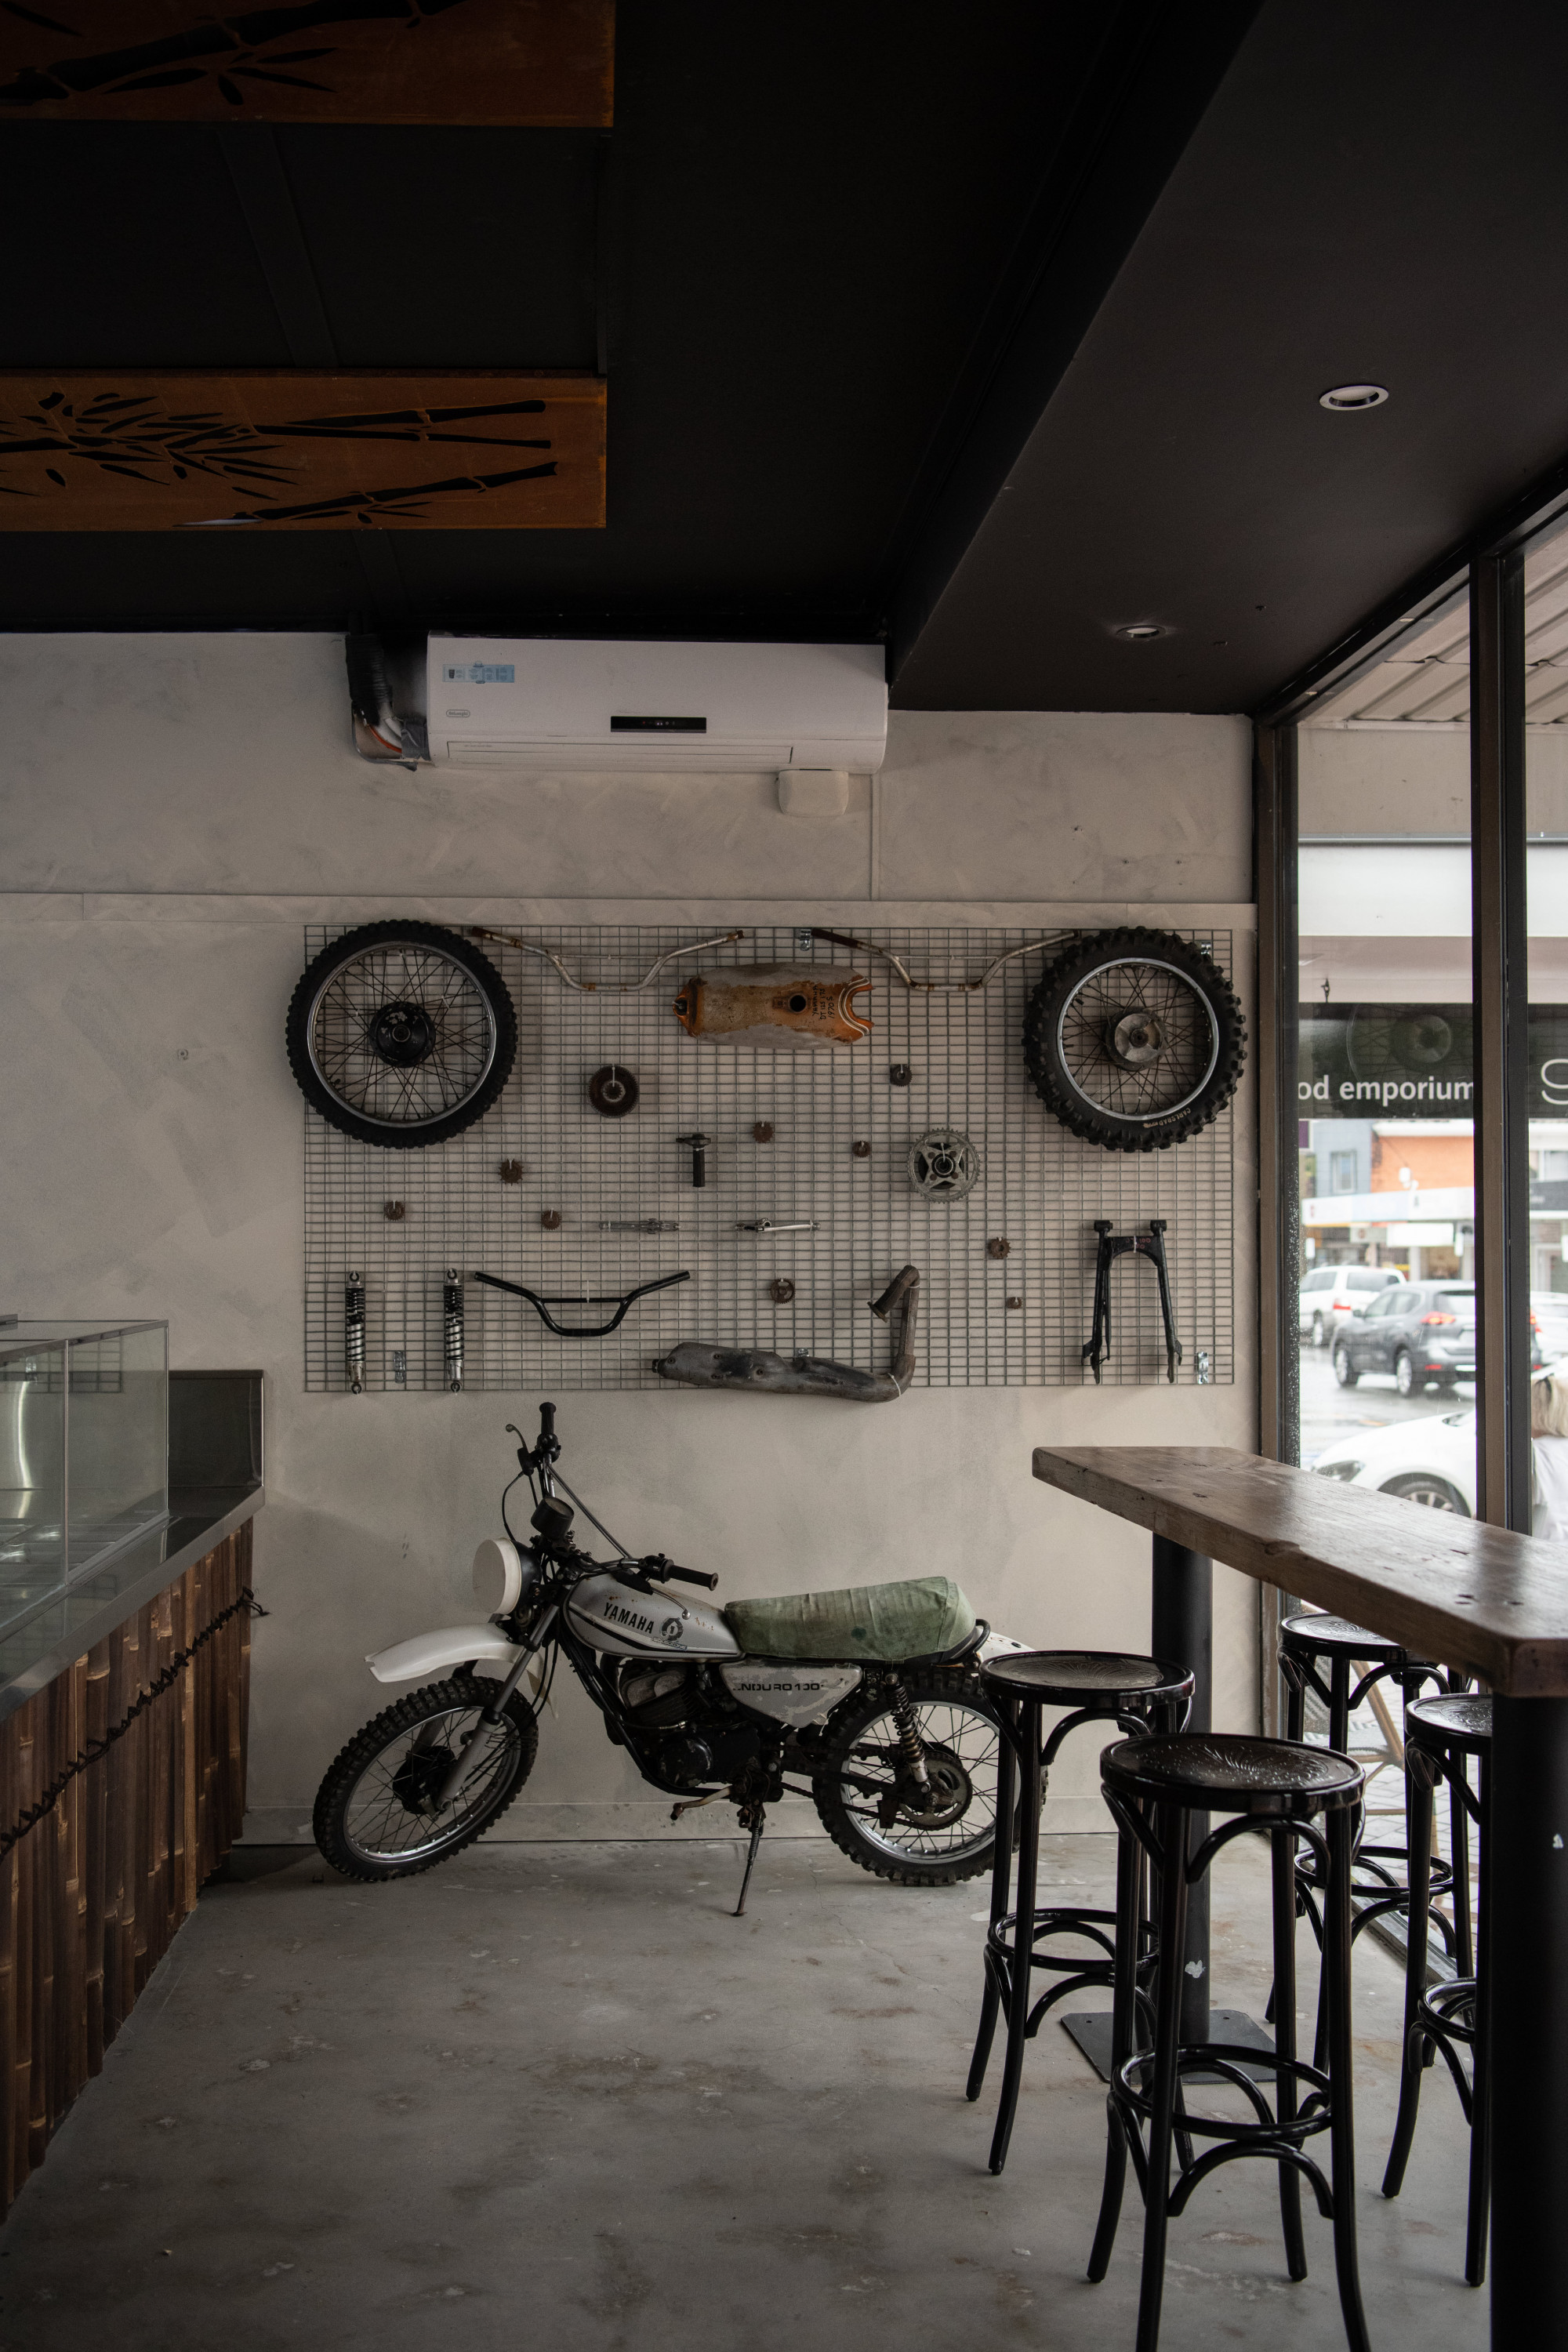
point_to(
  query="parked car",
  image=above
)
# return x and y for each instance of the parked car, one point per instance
(1431, 1461)
(1329, 1292)
(1423, 1332)
(1548, 1327)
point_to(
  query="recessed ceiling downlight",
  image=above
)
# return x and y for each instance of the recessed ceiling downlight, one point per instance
(1138, 633)
(1349, 397)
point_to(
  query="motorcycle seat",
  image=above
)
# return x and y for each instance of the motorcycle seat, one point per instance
(924, 1618)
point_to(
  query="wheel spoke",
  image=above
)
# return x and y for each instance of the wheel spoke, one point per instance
(952, 1735)
(459, 1042)
(379, 1824)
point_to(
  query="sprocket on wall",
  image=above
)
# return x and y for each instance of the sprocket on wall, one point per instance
(290, 449)
(541, 62)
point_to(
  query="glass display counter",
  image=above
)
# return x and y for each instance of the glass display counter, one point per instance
(84, 1451)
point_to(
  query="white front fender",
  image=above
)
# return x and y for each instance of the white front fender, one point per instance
(453, 1645)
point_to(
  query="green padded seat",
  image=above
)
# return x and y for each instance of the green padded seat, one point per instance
(919, 1618)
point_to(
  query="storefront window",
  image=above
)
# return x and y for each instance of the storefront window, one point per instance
(1546, 883)
(1386, 1170)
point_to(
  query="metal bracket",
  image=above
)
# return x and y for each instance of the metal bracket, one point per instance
(1108, 1248)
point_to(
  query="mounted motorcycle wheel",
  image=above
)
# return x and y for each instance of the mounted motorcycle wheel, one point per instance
(401, 1035)
(375, 1812)
(1135, 1040)
(862, 1792)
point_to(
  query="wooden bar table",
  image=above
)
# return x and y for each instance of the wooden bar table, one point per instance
(1463, 1594)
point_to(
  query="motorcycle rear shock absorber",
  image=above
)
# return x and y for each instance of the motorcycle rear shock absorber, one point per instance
(911, 1755)
(353, 1331)
(452, 1327)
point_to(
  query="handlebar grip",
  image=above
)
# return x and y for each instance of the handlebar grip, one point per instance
(547, 1420)
(692, 1576)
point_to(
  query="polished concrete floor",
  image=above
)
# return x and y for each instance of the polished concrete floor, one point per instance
(557, 2096)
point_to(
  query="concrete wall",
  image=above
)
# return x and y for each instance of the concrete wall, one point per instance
(175, 808)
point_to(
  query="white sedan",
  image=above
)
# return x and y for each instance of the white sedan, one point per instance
(1430, 1461)
(1434, 1461)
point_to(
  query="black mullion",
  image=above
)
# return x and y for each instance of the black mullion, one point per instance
(1499, 965)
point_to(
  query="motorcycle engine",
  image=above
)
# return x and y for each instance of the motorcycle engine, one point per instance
(696, 1760)
(711, 1746)
(655, 1693)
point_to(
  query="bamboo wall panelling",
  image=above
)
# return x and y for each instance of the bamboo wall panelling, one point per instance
(295, 450)
(501, 62)
(92, 1894)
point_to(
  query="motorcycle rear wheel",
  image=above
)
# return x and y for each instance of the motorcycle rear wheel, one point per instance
(374, 1813)
(960, 1741)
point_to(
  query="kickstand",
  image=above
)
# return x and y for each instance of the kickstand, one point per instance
(752, 1818)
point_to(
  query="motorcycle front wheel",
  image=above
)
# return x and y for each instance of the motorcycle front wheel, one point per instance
(377, 1811)
(878, 1824)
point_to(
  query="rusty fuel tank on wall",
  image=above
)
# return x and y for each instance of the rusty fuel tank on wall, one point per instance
(782, 1005)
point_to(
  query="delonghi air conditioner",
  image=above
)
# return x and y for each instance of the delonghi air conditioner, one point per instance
(563, 706)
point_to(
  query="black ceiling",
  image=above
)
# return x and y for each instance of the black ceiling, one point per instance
(988, 331)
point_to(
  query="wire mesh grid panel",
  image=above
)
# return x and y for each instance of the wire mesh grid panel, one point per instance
(581, 1207)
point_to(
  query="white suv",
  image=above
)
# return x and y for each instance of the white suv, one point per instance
(1329, 1292)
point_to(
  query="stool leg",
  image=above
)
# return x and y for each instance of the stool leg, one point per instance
(1023, 1928)
(1339, 1703)
(1295, 1730)
(1418, 1843)
(1000, 1881)
(1342, 2125)
(1173, 1834)
(1283, 1852)
(1295, 1705)
(1480, 2211)
(1459, 1846)
(1123, 2041)
(1338, 1739)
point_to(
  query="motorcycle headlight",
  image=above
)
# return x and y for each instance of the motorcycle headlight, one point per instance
(1340, 1469)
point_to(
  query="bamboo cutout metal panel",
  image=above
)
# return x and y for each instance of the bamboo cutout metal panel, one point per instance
(1039, 1188)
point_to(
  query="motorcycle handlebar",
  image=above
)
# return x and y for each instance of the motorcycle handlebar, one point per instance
(546, 1422)
(692, 1576)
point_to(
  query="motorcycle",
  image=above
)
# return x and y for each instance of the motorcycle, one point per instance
(871, 1697)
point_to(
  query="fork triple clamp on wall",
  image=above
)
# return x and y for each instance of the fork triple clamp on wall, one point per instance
(1109, 1247)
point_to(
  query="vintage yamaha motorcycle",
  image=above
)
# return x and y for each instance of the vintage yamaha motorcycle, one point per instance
(870, 1697)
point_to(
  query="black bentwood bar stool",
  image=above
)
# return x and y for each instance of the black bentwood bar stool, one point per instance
(1380, 1878)
(1151, 1787)
(1442, 1734)
(1139, 1696)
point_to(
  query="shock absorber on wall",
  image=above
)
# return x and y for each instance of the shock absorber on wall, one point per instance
(452, 1327)
(353, 1331)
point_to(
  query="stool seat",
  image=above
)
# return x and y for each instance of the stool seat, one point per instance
(1109, 1678)
(1462, 1720)
(1338, 1637)
(1231, 1772)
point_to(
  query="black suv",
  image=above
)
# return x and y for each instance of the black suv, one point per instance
(1422, 1332)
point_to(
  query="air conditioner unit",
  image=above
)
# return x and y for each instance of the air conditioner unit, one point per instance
(577, 706)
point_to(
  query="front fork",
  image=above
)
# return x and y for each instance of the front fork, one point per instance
(490, 1716)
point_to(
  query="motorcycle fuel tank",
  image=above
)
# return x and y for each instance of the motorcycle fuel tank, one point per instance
(621, 1622)
(780, 1005)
